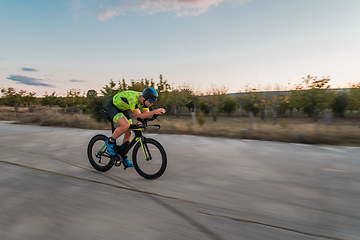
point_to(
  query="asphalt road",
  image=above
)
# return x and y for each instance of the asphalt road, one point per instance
(213, 188)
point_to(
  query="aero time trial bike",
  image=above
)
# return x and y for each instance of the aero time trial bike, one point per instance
(148, 156)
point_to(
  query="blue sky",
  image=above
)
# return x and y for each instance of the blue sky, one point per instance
(57, 45)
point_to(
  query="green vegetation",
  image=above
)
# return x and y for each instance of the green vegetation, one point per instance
(310, 112)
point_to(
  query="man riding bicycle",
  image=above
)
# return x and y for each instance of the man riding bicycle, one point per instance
(118, 109)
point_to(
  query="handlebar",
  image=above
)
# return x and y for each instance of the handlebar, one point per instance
(146, 120)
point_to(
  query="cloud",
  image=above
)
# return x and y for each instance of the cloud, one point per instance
(28, 81)
(76, 80)
(29, 69)
(106, 14)
(182, 7)
(108, 9)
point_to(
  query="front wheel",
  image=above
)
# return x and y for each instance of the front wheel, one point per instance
(149, 159)
(98, 155)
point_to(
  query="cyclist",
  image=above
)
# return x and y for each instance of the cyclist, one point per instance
(118, 109)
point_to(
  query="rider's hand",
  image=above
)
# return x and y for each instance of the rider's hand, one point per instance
(159, 111)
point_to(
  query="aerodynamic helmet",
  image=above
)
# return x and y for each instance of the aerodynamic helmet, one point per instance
(150, 94)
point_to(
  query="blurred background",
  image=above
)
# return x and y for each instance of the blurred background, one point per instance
(228, 73)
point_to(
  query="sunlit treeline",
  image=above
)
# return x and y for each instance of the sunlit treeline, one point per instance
(312, 97)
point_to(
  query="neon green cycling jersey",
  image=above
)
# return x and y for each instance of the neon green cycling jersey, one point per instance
(128, 100)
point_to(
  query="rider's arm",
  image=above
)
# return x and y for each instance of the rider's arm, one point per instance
(146, 113)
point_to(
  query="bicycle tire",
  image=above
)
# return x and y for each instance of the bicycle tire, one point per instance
(158, 162)
(99, 141)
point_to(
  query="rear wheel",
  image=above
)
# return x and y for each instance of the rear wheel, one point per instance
(98, 155)
(150, 160)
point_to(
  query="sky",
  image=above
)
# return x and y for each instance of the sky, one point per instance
(53, 46)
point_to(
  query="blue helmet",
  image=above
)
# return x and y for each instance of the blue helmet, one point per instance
(150, 94)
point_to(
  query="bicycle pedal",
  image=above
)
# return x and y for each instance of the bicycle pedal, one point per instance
(116, 160)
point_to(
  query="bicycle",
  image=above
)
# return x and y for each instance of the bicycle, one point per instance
(150, 163)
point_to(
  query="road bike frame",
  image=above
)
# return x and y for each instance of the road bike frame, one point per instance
(137, 129)
(151, 149)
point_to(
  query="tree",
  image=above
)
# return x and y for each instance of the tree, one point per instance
(13, 98)
(295, 100)
(204, 107)
(164, 89)
(174, 101)
(163, 85)
(284, 104)
(91, 94)
(229, 105)
(188, 98)
(249, 105)
(29, 99)
(256, 101)
(216, 98)
(49, 100)
(140, 85)
(96, 105)
(109, 90)
(314, 95)
(278, 103)
(180, 97)
(73, 98)
(339, 103)
(240, 99)
(354, 97)
(122, 86)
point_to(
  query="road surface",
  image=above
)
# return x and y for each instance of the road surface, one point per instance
(213, 188)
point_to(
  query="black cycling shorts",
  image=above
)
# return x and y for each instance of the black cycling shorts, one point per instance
(112, 111)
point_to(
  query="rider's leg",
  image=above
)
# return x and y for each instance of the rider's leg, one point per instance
(127, 137)
(117, 133)
(123, 127)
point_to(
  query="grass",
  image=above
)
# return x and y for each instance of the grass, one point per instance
(54, 117)
(296, 130)
(300, 129)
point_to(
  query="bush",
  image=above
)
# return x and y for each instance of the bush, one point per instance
(95, 105)
(214, 115)
(250, 107)
(204, 108)
(340, 103)
(229, 106)
(201, 119)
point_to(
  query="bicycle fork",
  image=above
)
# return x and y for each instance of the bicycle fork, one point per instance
(145, 148)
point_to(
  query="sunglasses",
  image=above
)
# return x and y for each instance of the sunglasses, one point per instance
(151, 100)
